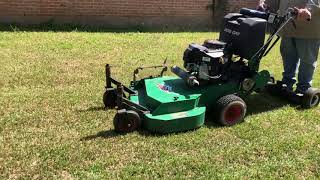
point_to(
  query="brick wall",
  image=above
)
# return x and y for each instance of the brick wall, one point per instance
(120, 13)
(235, 5)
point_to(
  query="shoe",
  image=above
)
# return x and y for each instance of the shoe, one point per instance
(298, 91)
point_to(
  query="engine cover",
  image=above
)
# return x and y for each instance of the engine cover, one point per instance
(244, 35)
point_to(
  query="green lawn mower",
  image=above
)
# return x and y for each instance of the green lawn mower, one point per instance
(217, 76)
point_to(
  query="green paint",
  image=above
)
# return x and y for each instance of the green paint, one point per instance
(175, 107)
(175, 122)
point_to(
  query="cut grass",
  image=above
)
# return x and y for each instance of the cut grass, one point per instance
(52, 122)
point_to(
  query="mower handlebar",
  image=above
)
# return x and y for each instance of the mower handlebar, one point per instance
(254, 13)
(270, 17)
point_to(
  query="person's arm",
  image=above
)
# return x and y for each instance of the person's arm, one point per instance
(273, 5)
(313, 6)
(261, 6)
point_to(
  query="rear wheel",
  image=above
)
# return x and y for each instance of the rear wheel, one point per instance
(231, 110)
(311, 98)
(126, 121)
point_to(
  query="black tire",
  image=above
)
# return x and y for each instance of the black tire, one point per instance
(311, 98)
(110, 99)
(126, 121)
(230, 110)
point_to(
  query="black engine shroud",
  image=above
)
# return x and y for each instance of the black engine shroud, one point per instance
(245, 35)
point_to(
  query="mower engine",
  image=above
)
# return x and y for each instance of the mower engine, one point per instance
(207, 61)
(240, 38)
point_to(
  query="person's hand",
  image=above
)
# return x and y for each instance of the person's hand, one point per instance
(261, 7)
(303, 14)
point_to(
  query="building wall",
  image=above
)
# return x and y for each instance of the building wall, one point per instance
(120, 13)
(235, 5)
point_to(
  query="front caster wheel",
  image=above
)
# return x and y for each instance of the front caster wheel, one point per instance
(110, 99)
(126, 121)
(311, 98)
(231, 110)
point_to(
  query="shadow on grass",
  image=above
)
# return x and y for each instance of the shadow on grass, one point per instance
(93, 109)
(102, 134)
(147, 133)
(112, 133)
(212, 124)
(259, 103)
(256, 103)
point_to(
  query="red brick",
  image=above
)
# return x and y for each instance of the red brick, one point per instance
(118, 8)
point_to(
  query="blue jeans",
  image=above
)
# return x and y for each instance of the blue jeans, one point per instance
(299, 55)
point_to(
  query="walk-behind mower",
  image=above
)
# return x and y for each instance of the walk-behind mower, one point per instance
(217, 76)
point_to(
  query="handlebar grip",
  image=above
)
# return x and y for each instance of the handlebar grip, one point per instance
(254, 13)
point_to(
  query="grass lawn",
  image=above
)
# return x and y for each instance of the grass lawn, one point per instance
(53, 125)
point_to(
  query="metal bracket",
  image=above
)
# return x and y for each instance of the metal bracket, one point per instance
(163, 66)
(121, 101)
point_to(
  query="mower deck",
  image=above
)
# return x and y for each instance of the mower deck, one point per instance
(172, 107)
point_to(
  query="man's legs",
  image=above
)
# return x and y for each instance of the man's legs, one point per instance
(290, 59)
(308, 50)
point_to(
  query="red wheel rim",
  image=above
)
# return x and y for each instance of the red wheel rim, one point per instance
(233, 113)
